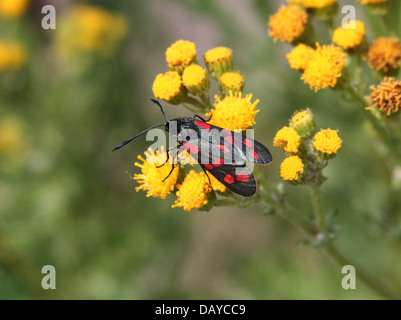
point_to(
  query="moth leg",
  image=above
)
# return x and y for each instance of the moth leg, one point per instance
(173, 165)
(167, 156)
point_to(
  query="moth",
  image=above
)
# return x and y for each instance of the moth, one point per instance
(222, 153)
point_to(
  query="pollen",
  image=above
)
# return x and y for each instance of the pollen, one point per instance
(194, 191)
(327, 141)
(219, 60)
(287, 24)
(325, 67)
(180, 55)
(348, 37)
(13, 8)
(234, 112)
(300, 56)
(292, 169)
(384, 54)
(168, 86)
(288, 139)
(231, 81)
(151, 178)
(387, 96)
(196, 79)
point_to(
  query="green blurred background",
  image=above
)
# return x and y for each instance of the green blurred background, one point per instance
(67, 201)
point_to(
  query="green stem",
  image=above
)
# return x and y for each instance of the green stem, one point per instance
(196, 103)
(318, 208)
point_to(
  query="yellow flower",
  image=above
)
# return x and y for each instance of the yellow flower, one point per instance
(302, 121)
(10, 135)
(384, 54)
(231, 81)
(347, 37)
(13, 8)
(168, 86)
(288, 139)
(387, 96)
(299, 56)
(327, 141)
(87, 28)
(180, 55)
(194, 191)
(291, 169)
(371, 1)
(219, 60)
(318, 4)
(12, 55)
(234, 112)
(151, 178)
(196, 79)
(186, 158)
(216, 184)
(325, 67)
(287, 24)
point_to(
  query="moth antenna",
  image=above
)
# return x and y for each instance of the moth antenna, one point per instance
(161, 108)
(122, 144)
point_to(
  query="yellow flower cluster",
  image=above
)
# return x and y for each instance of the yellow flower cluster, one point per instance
(305, 155)
(318, 4)
(300, 56)
(12, 9)
(351, 35)
(168, 86)
(384, 54)
(386, 96)
(12, 55)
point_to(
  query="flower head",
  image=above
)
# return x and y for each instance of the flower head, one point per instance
(288, 139)
(12, 55)
(371, 1)
(168, 86)
(194, 191)
(325, 67)
(302, 121)
(299, 56)
(384, 54)
(87, 29)
(231, 81)
(219, 60)
(196, 79)
(234, 112)
(180, 55)
(216, 184)
(292, 169)
(13, 8)
(347, 37)
(151, 178)
(287, 24)
(387, 96)
(318, 4)
(327, 142)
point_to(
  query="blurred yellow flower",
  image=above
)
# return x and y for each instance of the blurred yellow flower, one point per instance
(13, 8)
(347, 37)
(168, 86)
(10, 135)
(325, 67)
(194, 191)
(288, 139)
(151, 178)
(287, 24)
(384, 54)
(219, 60)
(86, 28)
(371, 1)
(234, 112)
(318, 4)
(196, 79)
(291, 169)
(327, 141)
(387, 96)
(231, 81)
(12, 55)
(299, 56)
(180, 55)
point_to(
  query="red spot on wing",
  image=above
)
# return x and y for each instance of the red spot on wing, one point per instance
(254, 154)
(242, 177)
(230, 139)
(191, 148)
(218, 163)
(222, 147)
(229, 179)
(203, 124)
(208, 166)
(248, 143)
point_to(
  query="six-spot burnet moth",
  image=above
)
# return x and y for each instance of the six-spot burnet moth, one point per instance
(221, 152)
